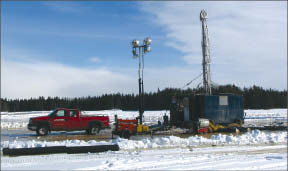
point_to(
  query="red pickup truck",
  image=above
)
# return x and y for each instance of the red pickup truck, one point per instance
(62, 119)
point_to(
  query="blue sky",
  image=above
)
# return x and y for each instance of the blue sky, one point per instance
(74, 49)
(73, 32)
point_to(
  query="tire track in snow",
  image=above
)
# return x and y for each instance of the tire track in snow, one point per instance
(219, 161)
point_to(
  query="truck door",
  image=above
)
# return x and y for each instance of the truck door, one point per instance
(58, 121)
(73, 120)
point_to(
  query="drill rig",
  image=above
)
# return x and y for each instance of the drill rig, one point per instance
(220, 110)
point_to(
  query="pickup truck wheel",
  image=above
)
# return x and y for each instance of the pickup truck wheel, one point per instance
(121, 134)
(126, 134)
(42, 130)
(94, 130)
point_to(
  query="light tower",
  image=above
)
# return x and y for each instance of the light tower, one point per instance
(206, 53)
(145, 48)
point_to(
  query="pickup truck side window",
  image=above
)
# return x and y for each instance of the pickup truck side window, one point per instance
(60, 113)
(73, 113)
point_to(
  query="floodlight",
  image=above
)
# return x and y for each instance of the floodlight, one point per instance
(203, 15)
(134, 53)
(147, 49)
(147, 41)
(135, 43)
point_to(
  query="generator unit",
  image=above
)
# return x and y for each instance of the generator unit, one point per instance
(222, 111)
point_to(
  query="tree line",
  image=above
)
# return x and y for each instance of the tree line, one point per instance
(254, 97)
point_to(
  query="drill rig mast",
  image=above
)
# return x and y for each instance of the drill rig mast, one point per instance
(206, 53)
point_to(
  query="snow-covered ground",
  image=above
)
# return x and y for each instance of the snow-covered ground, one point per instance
(253, 150)
(253, 137)
(204, 158)
(265, 117)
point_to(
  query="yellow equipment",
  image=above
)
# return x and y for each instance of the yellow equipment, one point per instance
(142, 128)
(214, 128)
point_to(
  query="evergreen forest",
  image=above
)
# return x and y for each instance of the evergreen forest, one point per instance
(254, 97)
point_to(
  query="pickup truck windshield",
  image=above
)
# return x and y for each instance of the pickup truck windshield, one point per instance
(52, 113)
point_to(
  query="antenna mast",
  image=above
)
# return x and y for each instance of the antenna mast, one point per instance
(205, 53)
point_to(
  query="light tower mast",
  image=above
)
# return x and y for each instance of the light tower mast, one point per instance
(205, 53)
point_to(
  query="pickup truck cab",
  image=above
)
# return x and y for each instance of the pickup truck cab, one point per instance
(62, 119)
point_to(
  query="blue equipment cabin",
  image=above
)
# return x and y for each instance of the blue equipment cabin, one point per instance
(221, 109)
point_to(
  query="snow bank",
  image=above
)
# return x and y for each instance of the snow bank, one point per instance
(255, 137)
(13, 125)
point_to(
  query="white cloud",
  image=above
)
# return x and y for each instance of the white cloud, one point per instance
(95, 60)
(24, 75)
(248, 39)
(33, 79)
(28, 77)
(25, 80)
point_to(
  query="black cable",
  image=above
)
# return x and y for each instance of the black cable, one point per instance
(192, 80)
